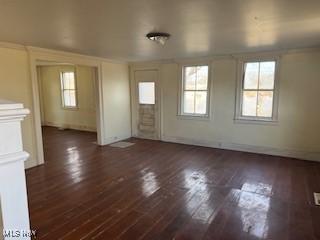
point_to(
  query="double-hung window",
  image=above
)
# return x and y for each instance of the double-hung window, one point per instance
(257, 91)
(68, 90)
(195, 91)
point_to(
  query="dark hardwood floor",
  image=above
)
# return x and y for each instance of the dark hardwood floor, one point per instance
(156, 190)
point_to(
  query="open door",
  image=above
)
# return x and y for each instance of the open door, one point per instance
(147, 108)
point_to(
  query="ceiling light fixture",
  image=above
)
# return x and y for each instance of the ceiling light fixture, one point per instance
(158, 37)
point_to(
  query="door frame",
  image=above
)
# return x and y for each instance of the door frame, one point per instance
(38, 54)
(135, 103)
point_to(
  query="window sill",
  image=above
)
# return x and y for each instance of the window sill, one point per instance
(71, 108)
(194, 117)
(256, 121)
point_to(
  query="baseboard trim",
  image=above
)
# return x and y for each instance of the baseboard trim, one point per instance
(114, 139)
(70, 126)
(298, 154)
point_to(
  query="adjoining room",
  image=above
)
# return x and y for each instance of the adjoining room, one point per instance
(68, 101)
(68, 96)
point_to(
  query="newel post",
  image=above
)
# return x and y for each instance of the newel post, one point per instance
(13, 194)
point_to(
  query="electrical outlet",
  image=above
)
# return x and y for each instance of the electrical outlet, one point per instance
(316, 198)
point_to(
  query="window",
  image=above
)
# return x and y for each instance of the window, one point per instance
(68, 90)
(195, 94)
(256, 98)
(146, 93)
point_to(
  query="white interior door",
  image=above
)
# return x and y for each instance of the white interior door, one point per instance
(147, 107)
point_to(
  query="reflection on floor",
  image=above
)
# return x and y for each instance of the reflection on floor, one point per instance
(156, 190)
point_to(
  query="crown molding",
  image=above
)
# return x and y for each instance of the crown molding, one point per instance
(38, 50)
(12, 45)
(183, 60)
(50, 63)
(227, 56)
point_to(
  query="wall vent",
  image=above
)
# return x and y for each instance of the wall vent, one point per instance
(316, 198)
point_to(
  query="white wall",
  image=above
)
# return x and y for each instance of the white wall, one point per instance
(53, 114)
(116, 95)
(15, 85)
(297, 132)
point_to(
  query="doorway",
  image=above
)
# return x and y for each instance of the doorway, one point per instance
(67, 96)
(68, 102)
(147, 104)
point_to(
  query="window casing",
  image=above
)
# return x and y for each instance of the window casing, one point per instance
(194, 94)
(257, 90)
(68, 90)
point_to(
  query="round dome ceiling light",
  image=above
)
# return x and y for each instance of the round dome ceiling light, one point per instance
(158, 37)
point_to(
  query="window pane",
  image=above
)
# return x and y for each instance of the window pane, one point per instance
(201, 102)
(188, 102)
(72, 84)
(146, 93)
(249, 103)
(251, 75)
(202, 78)
(65, 82)
(68, 80)
(266, 79)
(66, 98)
(72, 98)
(69, 75)
(190, 75)
(69, 98)
(265, 102)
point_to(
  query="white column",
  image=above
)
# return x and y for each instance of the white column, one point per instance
(13, 194)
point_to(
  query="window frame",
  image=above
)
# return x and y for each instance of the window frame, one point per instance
(62, 89)
(181, 113)
(239, 118)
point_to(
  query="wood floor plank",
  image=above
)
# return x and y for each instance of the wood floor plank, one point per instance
(156, 190)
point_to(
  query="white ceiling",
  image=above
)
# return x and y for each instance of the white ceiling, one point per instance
(117, 28)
